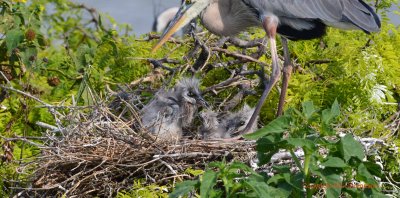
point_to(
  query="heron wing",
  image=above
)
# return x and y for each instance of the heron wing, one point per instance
(332, 12)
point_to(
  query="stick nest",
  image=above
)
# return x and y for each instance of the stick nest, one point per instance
(99, 154)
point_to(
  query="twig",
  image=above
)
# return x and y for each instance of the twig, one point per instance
(5, 78)
(242, 57)
(181, 155)
(48, 126)
(158, 64)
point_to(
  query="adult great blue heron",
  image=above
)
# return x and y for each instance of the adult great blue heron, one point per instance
(293, 19)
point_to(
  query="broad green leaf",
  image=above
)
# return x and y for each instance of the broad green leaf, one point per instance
(335, 109)
(328, 116)
(209, 179)
(263, 190)
(373, 168)
(364, 175)
(349, 147)
(13, 38)
(294, 180)
(277, 178)
(308, 109)
(265, 158)
(183, 188)
(270, 142)
(303, 143)
(334, 162)
(333, 182)
(279, 125)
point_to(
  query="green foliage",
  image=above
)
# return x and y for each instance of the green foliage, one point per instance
(313, 130)
(341, 169)
(361, 76)
(140, 190)
(228, 180)
(58, 54)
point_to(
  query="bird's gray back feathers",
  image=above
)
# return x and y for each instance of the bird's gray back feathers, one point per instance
(337, 13)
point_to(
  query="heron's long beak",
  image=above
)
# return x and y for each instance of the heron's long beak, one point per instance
(201, 101)
(185, 14)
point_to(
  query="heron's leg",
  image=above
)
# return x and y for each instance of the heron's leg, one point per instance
(287, 72)
(270, 25)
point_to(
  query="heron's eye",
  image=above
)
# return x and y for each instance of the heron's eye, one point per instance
(188, 1)
(241, 123)
(191, 94)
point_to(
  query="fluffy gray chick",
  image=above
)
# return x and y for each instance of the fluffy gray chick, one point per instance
(171, 111)
(211, 128)
(227, 125)
(237, 121)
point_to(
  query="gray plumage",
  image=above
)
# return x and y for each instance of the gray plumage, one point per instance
(211, 128)
(301, 14)
(228, 125)
(229, 17)
(171, 111)
(294, 19)
(237, 121)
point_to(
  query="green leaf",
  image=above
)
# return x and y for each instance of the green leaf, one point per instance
(279, 125)
(263, 190)
(349, 147)
(335, 109)
(328, 116)
(333, 182)
(183, 188)
(374, 168)
(303, 143)
(241, 166)
(194, 172)
(220, 165)
(13, 38)
(364, 175)
(334, 162)
(308, 109)
(270, 142)
(265, 158)
(209, 179)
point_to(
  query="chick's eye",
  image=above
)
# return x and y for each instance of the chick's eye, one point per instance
(241, 123)
(191, 94)
(188, 1)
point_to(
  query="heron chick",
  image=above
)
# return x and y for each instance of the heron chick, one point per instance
(211, 127)
(173, 110)
(228, 125)
(237, 121)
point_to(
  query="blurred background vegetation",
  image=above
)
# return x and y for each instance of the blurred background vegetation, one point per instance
(52, 50)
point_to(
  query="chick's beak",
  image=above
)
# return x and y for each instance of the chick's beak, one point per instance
(185, 14)
(201, 101)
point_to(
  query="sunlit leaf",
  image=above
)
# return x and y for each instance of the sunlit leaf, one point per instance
(278, 125)
(209, 179)
(349, 147)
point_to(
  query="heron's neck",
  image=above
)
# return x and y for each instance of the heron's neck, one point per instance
(228, 17)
